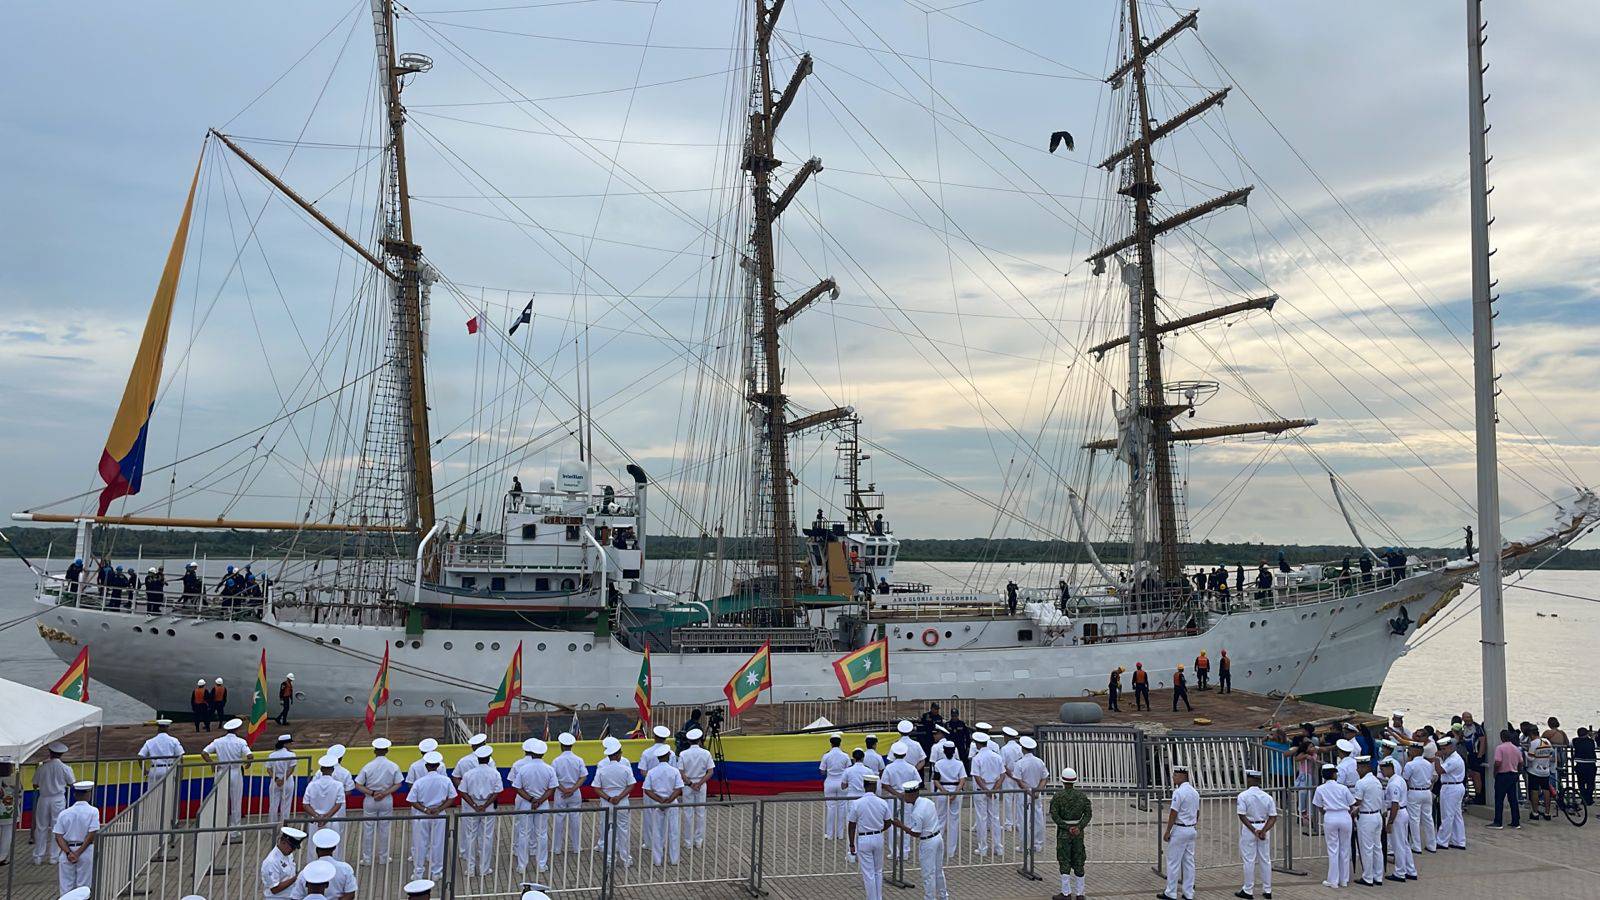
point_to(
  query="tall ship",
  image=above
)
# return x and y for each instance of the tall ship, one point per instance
(374, 565)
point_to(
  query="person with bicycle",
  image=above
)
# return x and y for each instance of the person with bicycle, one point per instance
(1541, 766)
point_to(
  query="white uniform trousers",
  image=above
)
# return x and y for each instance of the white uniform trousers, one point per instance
(622, 825)
(45, 810)
(1404, 862)
(1013, 807)
(1037, 803)
(1256, 855)
(78, 874)
(1452, 827)
(6, 830)
(930, 863)
(280, 799)
(427, 846)
(694, 817)
(663, 824)
(1180, 862)
(568, 826)
(949, 808)
(1369, 844)
(477, 842)
(531, 837)
(375, 834)
(986, 822)
(1336, 827)
(1421, 831)
(235, 794)
(869, 856)
(833, 820)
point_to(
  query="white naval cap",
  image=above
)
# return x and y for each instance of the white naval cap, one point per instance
(285, 737)
(1345, 745)
(293, 834)
(941, 729)
(382, 743)
(899, 749)
(869, 776)
(427, 745)
(318, 871)
(83, 785)
(336, 751)
(904, 727)
(535, 895)
(913, 785)
(1398, 714)
(325, 839)
(695, 734)
(419, 888)
(185, 897)
(663, 751)
(483, 752)
(163, 723)
(1069, 774)
(77, 893)
(1176, 770)
(1388, 761)
(1446, 742)
(566, 739)
(1252, 773)
(1364, 760)
(611, 745)
(432, 758)
(57, 747)
(328, 761)
(479, 738)
(1329, 767)
(1028, 743)
(1010, 732)
(983, 726)
(661, 731)
(535, 746)
(835, 735)
(980, 737)
(232, 724)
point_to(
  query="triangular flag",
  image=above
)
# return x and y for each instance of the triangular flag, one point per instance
(510, 688)
(641, 691)
(258, 702)
(74, 683)
(525, 318)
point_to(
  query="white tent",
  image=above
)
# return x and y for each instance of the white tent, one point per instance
(34, 718)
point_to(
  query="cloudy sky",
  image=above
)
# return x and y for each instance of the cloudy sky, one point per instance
(583, 152)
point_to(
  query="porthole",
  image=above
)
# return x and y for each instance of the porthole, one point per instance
(254, 638)
(349, 699)
(541, 648)
(398, 702)
(495, 646)
(74, 621)
(587, 647)
(478, 645)
(428, 703)
(1249, 672)
(449, 646)
(416, 645)
(138, 630)
(337, 642)
(236, 635)
(221, 636)
(171, 633)
(319, 640)
(1252, 624)
(572, 648)
(947, 634)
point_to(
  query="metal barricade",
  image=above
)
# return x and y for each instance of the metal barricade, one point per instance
(144, 820)
(797, 714)
(659, 850)
(1103, 755)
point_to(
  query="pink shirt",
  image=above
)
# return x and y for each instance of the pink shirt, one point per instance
(1507, 757)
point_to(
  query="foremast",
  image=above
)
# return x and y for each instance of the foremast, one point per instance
(1146, 433)
(772, 512)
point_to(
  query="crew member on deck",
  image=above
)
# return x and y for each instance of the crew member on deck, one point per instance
(1180, 690)
(1224, 674)
(155, 590)
(200, 705)
(285, 698)
(1114, 689)
(1011, 597)
(1202, 670)
(1141, 687)
(218, 701)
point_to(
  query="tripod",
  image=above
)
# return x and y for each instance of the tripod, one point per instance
(714, 744)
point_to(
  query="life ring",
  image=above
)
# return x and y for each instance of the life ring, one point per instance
(930, 638)
(289, 597)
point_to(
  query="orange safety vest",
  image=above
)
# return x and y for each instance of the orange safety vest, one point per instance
(1203, 663)
(1140, 676)
(1177, 680)
(220, 695)
(286, 690)
(1226, 664)
(200, 697)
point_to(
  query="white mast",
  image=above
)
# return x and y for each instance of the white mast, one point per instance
(1484, 378)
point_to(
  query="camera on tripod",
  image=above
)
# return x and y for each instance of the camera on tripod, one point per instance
(714, 723)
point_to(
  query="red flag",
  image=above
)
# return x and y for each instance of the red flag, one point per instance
(510, 688)
(379, 695)
(472, 324)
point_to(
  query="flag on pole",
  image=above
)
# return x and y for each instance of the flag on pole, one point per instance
(74, 683)
(379, 695)
(863, 668)
(258, 703)
(525, 318)
(510, 688)
(473, 324)
(576, 728)
(641, 691)
(746, 685)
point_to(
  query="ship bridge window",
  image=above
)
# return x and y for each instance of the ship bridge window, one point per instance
(1025, 634)
(497, 583)
(529, 531)
(572, 533)
(541, 584)
(468, 582)
(567, 584)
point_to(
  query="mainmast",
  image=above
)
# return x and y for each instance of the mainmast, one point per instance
(1147, 434)
(774, 510)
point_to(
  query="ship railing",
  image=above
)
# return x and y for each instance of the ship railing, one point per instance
(172, 603)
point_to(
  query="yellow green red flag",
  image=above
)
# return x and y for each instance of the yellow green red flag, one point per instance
(510, 688)
(74, 683)
(258, 702)
(641, 691)
(746, 685)
(379, 695)
(863, 668)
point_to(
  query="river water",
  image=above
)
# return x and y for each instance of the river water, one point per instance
(1548, 639)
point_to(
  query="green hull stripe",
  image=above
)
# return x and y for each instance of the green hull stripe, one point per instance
(1362, 699)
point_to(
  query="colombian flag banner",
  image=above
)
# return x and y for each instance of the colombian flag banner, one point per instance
(122, 461)
(746, 685)
(74, 683)
(641, 691)
(379, 695)
(258, 702)
(510, 688)
(863, 668)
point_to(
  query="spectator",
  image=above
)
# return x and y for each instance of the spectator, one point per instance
(1507, 760)
(1541, 765)
(1583, 763)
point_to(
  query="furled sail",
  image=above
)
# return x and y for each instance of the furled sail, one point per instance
(122, 462)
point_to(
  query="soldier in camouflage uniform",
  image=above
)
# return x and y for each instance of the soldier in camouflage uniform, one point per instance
(1070, 810)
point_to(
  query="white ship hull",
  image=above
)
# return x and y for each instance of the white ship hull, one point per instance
(1337, 650)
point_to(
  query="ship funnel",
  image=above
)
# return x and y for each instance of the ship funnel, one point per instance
(640, 488)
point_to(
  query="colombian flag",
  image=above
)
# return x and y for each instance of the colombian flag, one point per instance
(510, 688)
(74, 684)
(379, 695)
(863, 668)
(122, 461)
(746, 685)
(258, 702)
(641, 691)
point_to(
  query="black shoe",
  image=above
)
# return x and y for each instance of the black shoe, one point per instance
(1411, 878)
(1267, 895)
(1397, 878)
(1496, 825)
(1163, 896)
(1241, 893)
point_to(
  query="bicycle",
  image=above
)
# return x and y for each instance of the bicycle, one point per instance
(1572, 806)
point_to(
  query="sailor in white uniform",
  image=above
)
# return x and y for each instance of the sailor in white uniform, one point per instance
(1029, 774)
(10, 809)
(341, 884)
(1258, 812)
(1010, 748)
(897, 772)
(697, 766)
(160, 754)
(648, 758)
(337, 751)
(73, 833)
(1348, 776)
(914, 751)
(855, 777)
(230, 754)
(278, 871)
(281, 781)
(1336, 802)
(663, 785)
(921, 821)
(377, 781)
(832, 766)
(1369, 822)
(535, 785)
(469, 759)
(871, 757)
(988, 772)
(429, 797)
(570, 774)
(613, 781)
(949, 780)
(52, 781)
(419, 768)
(1397, 816)
(480, 789)
(1418, 773)
(324, 799)
(419, 888)
(865, 821)
(1183, 817)
(1452, 773)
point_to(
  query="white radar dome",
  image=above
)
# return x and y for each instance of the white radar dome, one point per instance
(547, 485)
(572, 478)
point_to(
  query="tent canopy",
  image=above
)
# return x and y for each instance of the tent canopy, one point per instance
(34, 718)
